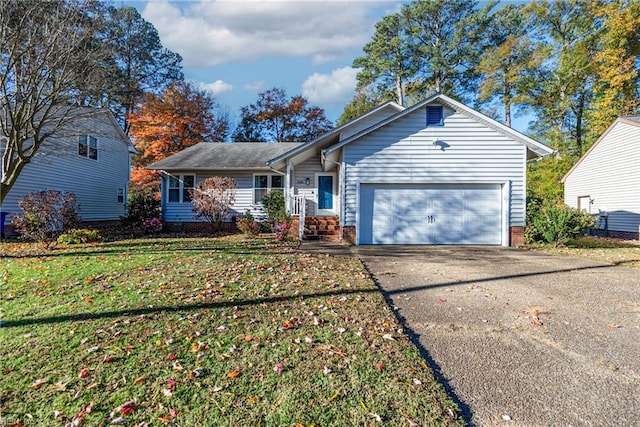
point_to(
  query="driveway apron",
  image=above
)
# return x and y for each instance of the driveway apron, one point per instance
(520, 338)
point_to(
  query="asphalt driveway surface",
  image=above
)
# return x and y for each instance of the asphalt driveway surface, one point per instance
(520, 338)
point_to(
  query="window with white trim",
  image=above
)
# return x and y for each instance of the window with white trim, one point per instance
(88, 147)
(265, 182)
(435, 115)
(120, 195)
(179, 188)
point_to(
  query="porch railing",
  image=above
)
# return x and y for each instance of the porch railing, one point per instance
(298, 207)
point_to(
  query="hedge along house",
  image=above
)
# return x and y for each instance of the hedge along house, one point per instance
(438, 172)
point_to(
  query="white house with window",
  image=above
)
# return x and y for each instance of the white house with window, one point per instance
(438, 172)
(91, 158)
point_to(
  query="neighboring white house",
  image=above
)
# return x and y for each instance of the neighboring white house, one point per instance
(438, 172)
(606, 180)
(90, 158)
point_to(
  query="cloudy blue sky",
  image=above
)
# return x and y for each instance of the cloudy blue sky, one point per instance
(238, 48)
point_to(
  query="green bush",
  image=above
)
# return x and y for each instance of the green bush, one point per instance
(555, 223)
(141, 205)
(80, 235)
(273, 203)
(248, 225)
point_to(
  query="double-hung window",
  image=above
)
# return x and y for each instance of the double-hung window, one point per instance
(88, 147)
(264, 183)
(180, 187)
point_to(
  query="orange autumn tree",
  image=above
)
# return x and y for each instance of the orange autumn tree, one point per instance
(180, 117)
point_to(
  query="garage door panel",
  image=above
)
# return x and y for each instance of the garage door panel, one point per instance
(430, 214)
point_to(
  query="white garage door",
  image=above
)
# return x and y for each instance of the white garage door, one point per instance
(430, 214)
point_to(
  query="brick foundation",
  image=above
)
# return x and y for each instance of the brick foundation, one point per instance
(349, 234)
(516, 236)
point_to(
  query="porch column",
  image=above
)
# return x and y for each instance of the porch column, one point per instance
(288, 192)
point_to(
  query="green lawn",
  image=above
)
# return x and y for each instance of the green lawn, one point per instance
(623, 253)
(204, 331)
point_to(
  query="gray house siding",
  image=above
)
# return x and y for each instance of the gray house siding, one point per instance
(57, 166)
(609, 174)
(180, 212)
(467, 152)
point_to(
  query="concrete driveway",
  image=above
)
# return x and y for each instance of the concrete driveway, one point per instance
(520, 338)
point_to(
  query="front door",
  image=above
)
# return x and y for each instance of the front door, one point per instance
(326, 194)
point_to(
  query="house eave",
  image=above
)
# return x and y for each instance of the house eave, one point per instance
(533, 146)
(280, 161)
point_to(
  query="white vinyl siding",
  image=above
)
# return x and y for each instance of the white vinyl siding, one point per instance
(183, 212)
(610, 175)
(467, 152)
(57, 166)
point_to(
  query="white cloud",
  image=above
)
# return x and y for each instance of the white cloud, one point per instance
(211, 33)
(335, 88)
(216, 87)
(254, 86)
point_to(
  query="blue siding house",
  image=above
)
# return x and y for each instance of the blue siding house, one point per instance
(90, 158)
(438, 172)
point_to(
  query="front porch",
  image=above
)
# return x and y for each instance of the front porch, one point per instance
(312, 227)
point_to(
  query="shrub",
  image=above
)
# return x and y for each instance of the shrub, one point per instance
(212, 199)
(152, 225)
(248, 225)
(282, 229)
(47, 215)
(141, 205)
(273, 202)
(79, 235)
(556, 223)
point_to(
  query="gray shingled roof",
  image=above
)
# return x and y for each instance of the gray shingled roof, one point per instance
(634, 118)
(225, 156)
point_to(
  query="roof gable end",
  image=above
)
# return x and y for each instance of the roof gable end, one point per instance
(629, 120)
(534, 146)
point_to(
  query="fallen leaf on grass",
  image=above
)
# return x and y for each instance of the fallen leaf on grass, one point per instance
(83, 373)
(108, 358)
(380, 367)
(138, 380)
(84, 410)
(125, 409)
(333, 396)
(38, 383)
(233, 374)
(278, 368)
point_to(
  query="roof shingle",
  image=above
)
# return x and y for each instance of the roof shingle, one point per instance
(225, 156)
